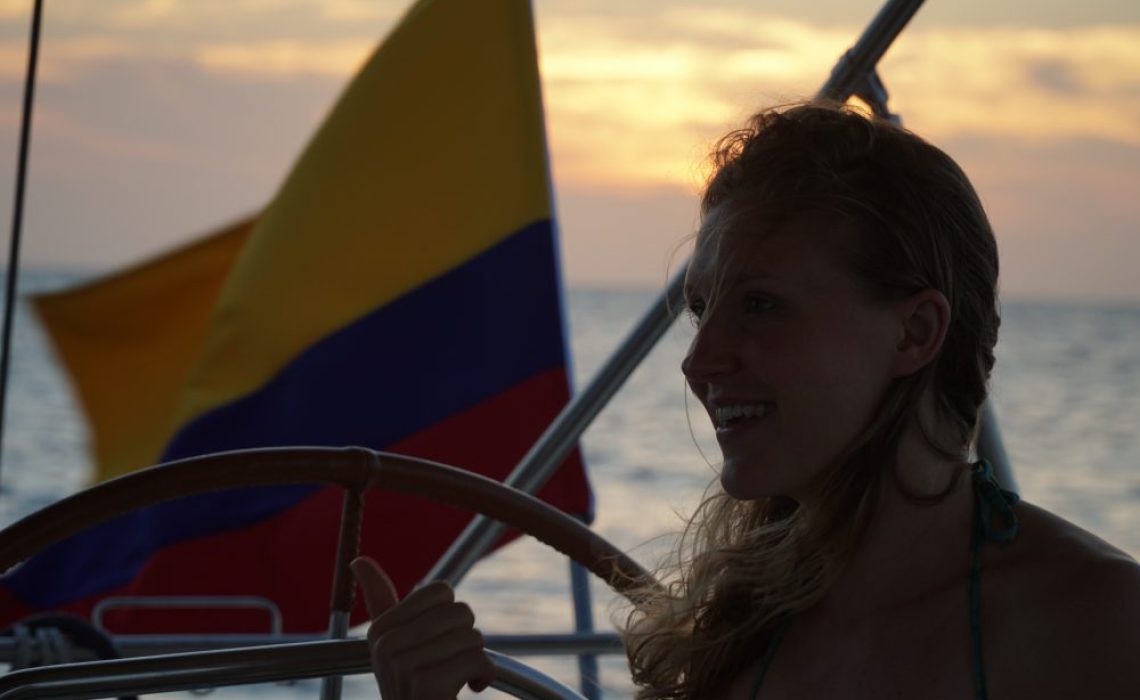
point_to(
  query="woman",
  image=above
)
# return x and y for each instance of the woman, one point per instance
(844, 291)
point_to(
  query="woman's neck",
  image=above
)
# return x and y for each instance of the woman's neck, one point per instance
(912, 548)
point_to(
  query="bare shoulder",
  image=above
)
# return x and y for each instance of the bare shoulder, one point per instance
(1072, 605)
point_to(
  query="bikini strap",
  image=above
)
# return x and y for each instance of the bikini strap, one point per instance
(773, 645)
(993, 503)
(994, 520)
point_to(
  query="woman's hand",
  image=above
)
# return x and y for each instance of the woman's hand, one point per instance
(425, 647)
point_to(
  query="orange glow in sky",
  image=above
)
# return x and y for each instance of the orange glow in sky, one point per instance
(217, 98)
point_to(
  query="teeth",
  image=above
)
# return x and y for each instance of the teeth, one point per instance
(726, 414)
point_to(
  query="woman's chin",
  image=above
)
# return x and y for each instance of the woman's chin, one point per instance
(744, 482)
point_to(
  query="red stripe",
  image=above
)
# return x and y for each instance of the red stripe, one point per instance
(290, 558)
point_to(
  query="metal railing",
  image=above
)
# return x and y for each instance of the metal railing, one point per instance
(159, 674)
(136, 645)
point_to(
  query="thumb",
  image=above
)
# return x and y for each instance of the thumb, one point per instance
(379, 591)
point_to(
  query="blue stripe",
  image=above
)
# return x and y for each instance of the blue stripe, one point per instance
(465, 336)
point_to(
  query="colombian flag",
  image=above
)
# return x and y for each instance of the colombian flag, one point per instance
(401, 292)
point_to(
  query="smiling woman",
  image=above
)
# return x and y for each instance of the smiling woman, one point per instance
(844, 293)
(777, 324)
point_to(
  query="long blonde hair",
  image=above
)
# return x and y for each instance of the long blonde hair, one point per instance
(742, 568)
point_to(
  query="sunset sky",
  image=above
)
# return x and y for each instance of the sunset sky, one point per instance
(158, 120)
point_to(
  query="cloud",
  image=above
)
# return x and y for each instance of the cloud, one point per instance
(629, 104)
(636, 103)
(1055, 76)
(14, 9)
(357, 10)
(144, 13)
(714, 67)
(137, 156)
(65, 62)
(100, 15)
(1039, 117)
(632, 238)
(1020, 83)
(177, 25)
(283, 59)
(1064, 212)
(153, 13)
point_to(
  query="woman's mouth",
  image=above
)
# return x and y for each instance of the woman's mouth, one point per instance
(738, 416)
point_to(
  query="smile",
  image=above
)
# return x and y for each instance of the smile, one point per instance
(727, 417)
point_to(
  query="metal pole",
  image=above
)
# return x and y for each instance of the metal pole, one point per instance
(554, 444)
(344, 585)
(101, 679)
(589, 682)
(562, 434)
(18, 212)
(862, 58)
(12, 649)
(992, 449)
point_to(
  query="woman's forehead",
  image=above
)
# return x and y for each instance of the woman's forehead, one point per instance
(725, 234)
(718, 261)
(730, 249)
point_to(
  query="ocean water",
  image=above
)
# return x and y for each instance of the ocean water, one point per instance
(1066, 390)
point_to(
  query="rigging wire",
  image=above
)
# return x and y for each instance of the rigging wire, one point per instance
(18, 214)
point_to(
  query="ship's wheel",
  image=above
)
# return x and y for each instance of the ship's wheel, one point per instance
(354, 469)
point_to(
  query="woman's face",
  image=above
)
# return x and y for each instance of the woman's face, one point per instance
(791, 358)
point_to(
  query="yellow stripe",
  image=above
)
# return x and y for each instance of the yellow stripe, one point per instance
(434, 153)
(129, 340)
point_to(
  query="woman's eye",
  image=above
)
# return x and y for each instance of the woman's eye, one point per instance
(755, 303)
(696, 309)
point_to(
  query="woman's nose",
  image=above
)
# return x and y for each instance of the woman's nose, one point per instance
(710, 353)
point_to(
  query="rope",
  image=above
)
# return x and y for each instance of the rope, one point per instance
(18, 213)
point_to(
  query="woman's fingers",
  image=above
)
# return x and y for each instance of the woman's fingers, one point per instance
(379, 591)
(437, 632)
(484, 669)
(410, 619)
(438, 668)
(380, 597)
(425, 646)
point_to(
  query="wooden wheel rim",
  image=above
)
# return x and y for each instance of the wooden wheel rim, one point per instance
(353, 468)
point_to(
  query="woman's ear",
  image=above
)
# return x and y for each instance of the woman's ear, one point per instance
(924, 319)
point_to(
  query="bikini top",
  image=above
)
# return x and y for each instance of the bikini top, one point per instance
(994, 520)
